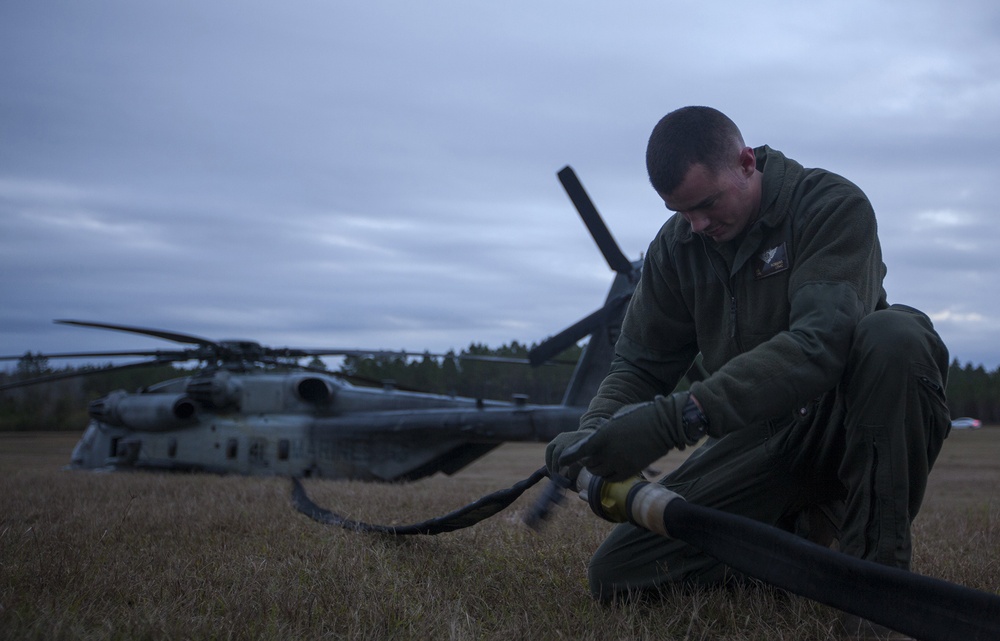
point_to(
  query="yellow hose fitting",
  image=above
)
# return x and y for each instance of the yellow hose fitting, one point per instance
(634, 500)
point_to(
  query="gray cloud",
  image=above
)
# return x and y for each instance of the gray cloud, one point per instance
(383, 175)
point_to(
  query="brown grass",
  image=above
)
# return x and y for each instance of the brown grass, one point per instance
(147, 556)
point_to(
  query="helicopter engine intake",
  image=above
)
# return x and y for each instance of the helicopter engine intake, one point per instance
(315, 390)
(214, 389)
(145, 412)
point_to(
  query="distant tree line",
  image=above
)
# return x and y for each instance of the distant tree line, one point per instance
(62, 405)
(973, 391)
(462, 375)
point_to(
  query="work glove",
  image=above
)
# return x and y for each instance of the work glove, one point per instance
(635, 436)
(556, 447)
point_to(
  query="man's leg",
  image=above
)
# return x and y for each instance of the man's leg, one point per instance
(877, 437)
(896, 419)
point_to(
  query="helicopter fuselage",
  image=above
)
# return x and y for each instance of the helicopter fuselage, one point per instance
(303, 424)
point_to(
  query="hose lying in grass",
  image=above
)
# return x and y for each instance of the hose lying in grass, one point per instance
(464, 517)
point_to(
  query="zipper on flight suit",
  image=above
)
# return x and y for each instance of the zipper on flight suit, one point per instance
(727, 283)
(872, 530)
(732, 316)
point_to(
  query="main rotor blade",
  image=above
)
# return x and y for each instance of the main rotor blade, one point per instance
(74, 373)
(157, 353)
(555, 345)
(588, 212)
(158, 333)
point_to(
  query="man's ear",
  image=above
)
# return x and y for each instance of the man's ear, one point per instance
(748, 162)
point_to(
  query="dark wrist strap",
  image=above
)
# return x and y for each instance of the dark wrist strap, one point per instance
(695, 422)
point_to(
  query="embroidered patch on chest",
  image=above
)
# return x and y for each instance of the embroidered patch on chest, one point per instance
(770, 262)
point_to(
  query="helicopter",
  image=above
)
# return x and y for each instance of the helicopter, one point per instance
(253, 410)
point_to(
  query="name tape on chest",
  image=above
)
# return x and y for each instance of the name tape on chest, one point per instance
(771, 261)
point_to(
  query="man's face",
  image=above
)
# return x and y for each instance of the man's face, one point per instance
(718, 204)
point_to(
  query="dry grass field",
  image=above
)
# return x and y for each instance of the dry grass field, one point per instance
(152, 556)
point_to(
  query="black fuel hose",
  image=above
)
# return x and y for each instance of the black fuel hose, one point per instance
(463, 517)
(925, 607)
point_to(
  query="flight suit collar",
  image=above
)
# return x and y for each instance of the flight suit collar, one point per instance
(779, 174)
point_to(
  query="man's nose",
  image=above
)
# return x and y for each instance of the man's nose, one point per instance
(698, 222)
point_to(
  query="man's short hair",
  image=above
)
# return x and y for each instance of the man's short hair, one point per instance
(688, 136)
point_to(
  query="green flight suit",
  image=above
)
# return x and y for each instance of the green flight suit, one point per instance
(819, 393)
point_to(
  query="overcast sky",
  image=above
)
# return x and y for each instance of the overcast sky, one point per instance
(383, 174)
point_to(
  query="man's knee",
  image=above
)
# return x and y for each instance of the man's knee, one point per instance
(899, 335)
(629, 562)
(888, 332)
(601, 582)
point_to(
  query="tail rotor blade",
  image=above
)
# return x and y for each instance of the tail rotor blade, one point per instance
(592, 219)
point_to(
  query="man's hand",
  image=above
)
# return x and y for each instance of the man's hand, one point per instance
(633, 438)
(556, 447)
